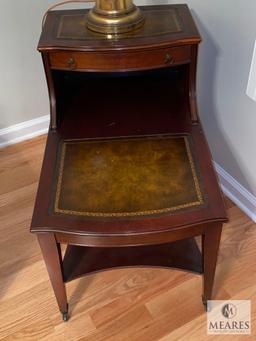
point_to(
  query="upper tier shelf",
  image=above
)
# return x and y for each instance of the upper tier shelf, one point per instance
(165, 25)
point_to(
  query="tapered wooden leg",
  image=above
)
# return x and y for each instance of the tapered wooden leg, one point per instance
(210, 247)
(53, 260)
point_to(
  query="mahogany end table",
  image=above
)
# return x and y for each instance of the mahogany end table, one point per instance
(127, 177)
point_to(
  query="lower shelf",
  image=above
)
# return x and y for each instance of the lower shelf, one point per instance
(80, 260)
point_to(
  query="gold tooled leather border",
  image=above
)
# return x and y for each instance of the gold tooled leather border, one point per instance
(198, 202)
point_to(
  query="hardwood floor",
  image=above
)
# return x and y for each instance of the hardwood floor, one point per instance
(128, 304)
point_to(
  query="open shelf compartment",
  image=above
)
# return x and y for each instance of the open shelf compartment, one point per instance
(81, 260)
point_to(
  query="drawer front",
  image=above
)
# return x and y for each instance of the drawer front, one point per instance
(120, 61)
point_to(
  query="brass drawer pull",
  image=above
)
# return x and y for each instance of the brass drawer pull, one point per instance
(168, 59)
(71, 63)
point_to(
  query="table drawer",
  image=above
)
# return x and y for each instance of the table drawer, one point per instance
(119, 61)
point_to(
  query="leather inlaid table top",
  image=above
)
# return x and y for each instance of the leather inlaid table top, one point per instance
(126, 177)
(168, 184)
(164, 24)
(73, 26)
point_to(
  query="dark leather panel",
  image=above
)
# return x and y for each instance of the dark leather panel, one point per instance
(130, 176)
(158, 22)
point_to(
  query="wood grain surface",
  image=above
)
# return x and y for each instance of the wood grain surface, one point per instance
(125, 304)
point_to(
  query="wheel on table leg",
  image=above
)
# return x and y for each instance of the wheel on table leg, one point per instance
(65, 317)
(206, 306)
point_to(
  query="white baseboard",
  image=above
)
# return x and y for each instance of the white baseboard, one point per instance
(245, 200)
(24, 131)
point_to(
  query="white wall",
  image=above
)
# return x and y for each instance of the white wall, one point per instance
(229, 116)
(228, 29)
(23, 91)
(22, 87)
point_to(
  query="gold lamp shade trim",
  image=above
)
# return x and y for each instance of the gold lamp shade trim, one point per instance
(114, 17)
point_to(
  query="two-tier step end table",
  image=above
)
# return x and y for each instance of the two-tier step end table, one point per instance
(127, 177)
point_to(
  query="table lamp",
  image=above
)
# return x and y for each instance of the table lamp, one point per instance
(114, 17)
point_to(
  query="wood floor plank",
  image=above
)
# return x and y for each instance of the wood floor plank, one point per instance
(33, 331)
(20, 164)
(136, 289)
(124, 304)
(121, 327)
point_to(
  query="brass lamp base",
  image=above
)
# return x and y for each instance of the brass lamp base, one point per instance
(114, 17)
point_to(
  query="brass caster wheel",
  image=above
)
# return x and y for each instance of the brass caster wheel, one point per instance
(65, 317)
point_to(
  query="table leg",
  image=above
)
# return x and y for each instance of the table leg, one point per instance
(53, 260)
(210, 247)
